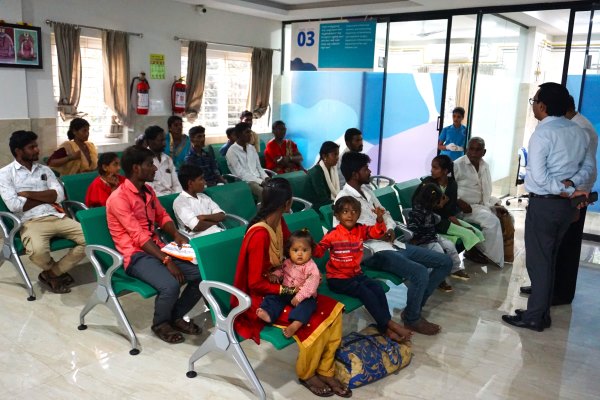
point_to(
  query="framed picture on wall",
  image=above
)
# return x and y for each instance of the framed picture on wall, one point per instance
(20, 46)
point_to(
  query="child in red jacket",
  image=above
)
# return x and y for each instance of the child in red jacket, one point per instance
(344, 274)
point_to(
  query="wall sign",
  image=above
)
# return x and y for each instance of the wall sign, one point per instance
(157, 66)
(339, 45)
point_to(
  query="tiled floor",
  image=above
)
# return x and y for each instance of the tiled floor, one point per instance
(44, 356)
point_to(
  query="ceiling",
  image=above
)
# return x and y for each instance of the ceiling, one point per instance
(287, 10)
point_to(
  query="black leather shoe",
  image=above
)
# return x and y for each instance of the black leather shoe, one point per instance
(547, 320)
(515, 320)
(525, 289)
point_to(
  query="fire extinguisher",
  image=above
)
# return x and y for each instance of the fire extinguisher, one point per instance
(178, 96)
(142, 98)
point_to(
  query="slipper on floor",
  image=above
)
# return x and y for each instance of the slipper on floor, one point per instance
(189, 328)
(324, 392)
(54, 284)
(166, 333)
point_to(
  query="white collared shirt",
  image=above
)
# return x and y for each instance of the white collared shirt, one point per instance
(245, 164)
(187, 209)
(367, 203)
(15, 178)
(474, 187)
(165, 179)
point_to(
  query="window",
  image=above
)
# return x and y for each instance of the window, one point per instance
(226, 91)
(91, 101)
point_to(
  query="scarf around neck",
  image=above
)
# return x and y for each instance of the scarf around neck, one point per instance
(332, 179)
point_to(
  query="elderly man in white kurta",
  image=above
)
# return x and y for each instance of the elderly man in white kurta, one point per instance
(476, 202)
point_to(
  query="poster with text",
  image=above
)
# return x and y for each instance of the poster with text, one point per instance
(333, 45)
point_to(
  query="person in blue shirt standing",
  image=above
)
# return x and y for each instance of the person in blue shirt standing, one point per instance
(178, 144)
(557, 170)
(453, 138)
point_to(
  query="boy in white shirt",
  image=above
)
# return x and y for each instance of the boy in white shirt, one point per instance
(197, 213)
(165, 179)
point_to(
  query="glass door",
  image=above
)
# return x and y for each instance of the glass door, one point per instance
(413, 98)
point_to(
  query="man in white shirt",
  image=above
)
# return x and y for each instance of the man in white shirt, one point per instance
(243, 161)
(32, 192)
(197, 213)
(478, 206)
(411, 262)
(165, 179)
(354, 142)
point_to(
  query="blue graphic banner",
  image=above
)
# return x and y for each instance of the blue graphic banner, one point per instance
(347, 45)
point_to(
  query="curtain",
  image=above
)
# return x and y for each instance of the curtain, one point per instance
(69, 68)
(196, 75)
(115, 57)
(463, 86)
(262, 74)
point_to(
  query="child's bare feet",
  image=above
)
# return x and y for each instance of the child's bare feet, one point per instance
(404, 333)
(262, 314)
(291, 329)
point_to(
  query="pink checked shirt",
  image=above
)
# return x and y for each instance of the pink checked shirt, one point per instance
(306, 277)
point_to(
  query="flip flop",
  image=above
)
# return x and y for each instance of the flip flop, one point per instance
(166, 333)
(67, 278)
(344, 391)
(55, 285)
(325, 392)
(189, 328)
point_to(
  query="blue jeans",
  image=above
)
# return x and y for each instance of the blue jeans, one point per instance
(412, 264)
(370, 292)
(168, 305)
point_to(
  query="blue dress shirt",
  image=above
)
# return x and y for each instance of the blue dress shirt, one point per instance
(458, 136)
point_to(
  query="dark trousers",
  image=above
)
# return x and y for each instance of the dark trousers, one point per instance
(567, 261)
(274, 304)
(168, 305)
(546, 223)
(369, 292)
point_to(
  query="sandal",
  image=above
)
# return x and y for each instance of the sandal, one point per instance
(67, 279)
(166, 333)
(338, 388)
(54, 284)
(321, 392)
(189, 328)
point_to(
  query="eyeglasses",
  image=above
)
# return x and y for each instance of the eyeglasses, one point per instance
(532, 101)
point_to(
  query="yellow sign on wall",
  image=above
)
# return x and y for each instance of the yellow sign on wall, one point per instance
(157, 66)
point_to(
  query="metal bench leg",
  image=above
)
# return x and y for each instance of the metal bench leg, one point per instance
(11, 255)
(103, 296)
(220, 342)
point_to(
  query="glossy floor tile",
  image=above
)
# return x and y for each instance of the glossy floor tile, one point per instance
(44, 356)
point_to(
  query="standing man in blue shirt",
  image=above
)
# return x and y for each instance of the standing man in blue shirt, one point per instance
(453, 138)
(556, 168)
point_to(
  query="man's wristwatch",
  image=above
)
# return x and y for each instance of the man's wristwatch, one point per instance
(167, 260)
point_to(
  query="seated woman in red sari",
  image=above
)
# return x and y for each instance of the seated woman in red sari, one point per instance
(262, 250)
(107, 181)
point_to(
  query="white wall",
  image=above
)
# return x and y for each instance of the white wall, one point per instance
(30, 92)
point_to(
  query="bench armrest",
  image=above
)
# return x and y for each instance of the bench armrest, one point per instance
(10, 235)
(72, 207)
(223, 322)
(117, 260)
(307, 204)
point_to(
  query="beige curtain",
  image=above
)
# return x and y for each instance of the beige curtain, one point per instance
(262, 74)
(115, 57)
(463, 86)
(69, 68)
(196, 75)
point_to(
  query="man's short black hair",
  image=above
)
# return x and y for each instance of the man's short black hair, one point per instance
(245, 114)
(134, 155)
(571, 104)
(172, 119)
(353, 162)
(196, 130)
(230, 131)
(277, 123)
(556, 98)
(188, 172)
(20, 139)
(350, 133)
(152, 132)
(241, 128)
(459, 110)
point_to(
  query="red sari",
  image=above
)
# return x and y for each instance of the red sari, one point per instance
(252, 277)
(98, 192)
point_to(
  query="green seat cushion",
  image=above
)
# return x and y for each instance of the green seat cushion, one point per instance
(389, 200)
(122, 282)
(274, 335)
(55, 244)
(76, 186)
(234, 198)
(167, 202)
(405, 191)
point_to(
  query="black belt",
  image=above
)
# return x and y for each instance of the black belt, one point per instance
(547, 196)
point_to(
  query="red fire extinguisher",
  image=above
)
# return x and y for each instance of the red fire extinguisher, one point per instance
(142, 97)
(178, 96)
